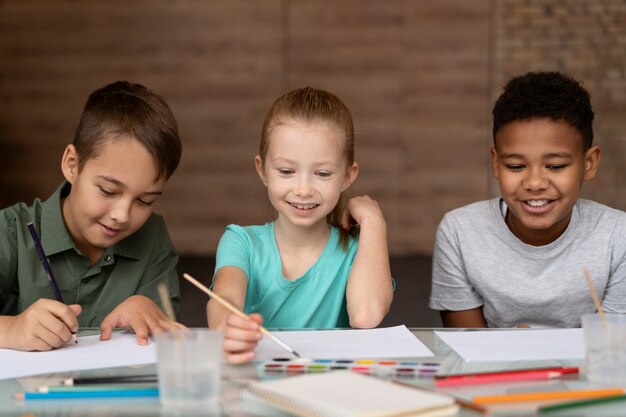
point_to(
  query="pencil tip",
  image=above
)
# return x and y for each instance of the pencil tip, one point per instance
(295, 353)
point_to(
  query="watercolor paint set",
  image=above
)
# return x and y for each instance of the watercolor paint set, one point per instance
(385, 368)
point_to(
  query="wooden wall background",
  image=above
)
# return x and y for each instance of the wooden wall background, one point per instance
(419, 76)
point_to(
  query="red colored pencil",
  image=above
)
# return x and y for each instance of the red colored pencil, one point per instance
(505, 376)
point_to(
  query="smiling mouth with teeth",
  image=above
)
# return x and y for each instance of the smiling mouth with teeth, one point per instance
(303, 206)
(537, 203)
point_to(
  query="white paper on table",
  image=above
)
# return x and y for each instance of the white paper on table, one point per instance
(516, 345)
(89, 353)
(389, 342)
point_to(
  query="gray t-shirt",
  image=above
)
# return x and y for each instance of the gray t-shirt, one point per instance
(478, 261)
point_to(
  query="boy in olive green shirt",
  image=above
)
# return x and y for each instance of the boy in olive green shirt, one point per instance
(107, 249)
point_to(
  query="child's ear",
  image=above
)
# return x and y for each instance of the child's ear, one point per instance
(69, 163)
(258, 163)
(351, 175)
(592, 161)
(495, 164)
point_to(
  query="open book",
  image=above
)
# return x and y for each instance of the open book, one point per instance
(345, 394)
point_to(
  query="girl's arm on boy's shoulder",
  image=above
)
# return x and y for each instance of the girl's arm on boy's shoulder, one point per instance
(472, 318)
(369, 291)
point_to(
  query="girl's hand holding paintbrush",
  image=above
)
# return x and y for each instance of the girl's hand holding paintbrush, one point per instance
(241, 333)
(241, 337)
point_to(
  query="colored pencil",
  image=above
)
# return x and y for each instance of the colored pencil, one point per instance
(95, 387)
(44, 261)
(546, 395)
(582, 403)
(561, 369)
(46, 266)
(504, 376)
(236, 311)
(150, 392)
(497, 378)
(111, 380)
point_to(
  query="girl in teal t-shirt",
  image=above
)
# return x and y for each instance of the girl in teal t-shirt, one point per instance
(307, 268)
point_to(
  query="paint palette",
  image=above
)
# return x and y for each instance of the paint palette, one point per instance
(385, 368)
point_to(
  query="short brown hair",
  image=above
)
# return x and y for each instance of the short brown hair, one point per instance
(124, 108)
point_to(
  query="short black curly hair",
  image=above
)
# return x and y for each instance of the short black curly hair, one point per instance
(545, 94)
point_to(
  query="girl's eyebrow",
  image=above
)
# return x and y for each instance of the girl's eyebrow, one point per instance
(295, 162)
(281, 159)
(120, 184)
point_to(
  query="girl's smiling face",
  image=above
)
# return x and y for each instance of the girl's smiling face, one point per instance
(305, 171)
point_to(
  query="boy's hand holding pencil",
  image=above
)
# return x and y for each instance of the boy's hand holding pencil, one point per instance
(44, 325)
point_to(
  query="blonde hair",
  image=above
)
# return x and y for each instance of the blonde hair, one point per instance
(312, 105)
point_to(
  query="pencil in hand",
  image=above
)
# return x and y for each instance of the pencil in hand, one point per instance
(238, 312)
(46, 266)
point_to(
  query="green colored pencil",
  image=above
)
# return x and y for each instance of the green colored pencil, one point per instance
(581, 403)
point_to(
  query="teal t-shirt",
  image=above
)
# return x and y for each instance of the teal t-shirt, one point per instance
(317, 299)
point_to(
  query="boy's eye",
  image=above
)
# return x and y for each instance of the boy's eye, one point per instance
(514, 167)
(145, 203)
(555, 167)
(324, 174)
(106, 192)
(285, 171)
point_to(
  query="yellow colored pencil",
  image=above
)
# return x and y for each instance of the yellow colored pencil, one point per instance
(549, 395)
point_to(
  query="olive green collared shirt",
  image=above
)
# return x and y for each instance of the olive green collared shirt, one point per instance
(135, 265)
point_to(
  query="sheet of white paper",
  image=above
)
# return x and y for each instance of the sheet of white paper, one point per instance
(89, 353)
(389, 342)
(516, 345)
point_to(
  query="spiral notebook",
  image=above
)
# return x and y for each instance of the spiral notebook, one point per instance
(344, 394)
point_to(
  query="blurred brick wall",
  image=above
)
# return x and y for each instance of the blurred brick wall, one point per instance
(419, 76)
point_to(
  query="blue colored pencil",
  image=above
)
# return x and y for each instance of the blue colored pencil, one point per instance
(150, 392)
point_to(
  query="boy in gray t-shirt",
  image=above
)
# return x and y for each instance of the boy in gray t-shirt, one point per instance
(517, 260)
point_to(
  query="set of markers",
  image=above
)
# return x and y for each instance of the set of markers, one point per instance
(280, 367)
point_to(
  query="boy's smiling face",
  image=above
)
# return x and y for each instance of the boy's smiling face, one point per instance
(112, 195)
(541, 165)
